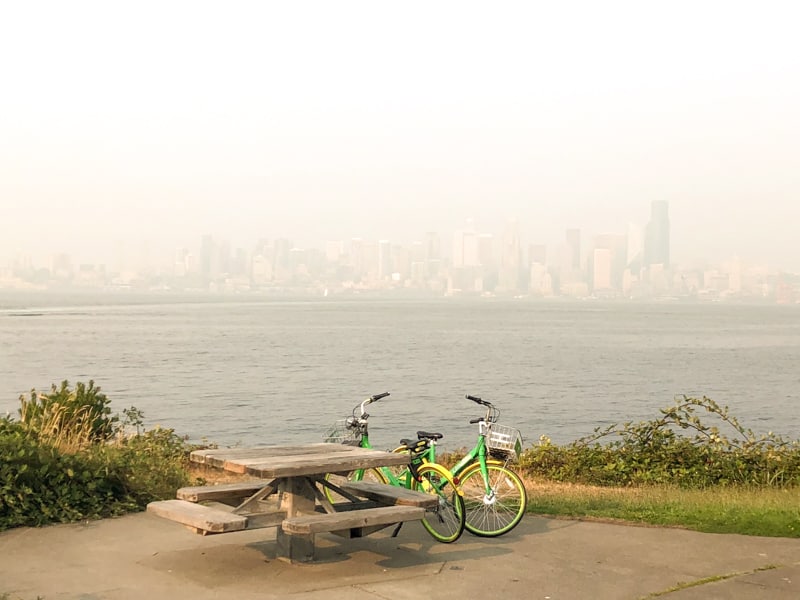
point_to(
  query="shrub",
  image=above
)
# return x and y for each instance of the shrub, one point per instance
(70, 419)
(69, 458)
(677, 448)
(39, 484)
(153, 464)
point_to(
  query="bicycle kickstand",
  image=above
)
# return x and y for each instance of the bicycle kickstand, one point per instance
(397, 529)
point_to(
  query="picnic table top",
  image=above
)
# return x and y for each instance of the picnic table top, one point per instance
(296, 460)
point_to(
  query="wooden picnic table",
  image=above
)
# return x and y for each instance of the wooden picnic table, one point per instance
(287, 492)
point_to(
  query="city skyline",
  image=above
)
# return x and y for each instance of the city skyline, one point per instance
(124, 126)
(138, 255)
(635, 265)
(92, 249)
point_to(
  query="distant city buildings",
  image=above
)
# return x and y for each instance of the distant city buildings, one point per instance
(656, 238)
(634, 264)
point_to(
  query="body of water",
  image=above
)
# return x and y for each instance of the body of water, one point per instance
(277, 371)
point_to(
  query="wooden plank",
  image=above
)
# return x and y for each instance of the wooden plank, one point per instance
(291, 461)
(318, 464)
(390, 494)
(352, 519)
(224, 491)
(203, 518)
(217, 457)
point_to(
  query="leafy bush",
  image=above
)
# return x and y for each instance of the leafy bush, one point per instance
(69, 418)
(677, 449)
(39, 484)
(153, 464)
(69, 458)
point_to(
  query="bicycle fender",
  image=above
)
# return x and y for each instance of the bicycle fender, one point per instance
(446, 474)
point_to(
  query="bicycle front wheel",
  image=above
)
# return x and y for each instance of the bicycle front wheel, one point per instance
(496, 506)
(445, 522)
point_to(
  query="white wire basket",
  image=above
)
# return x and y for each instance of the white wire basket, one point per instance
(503, 441)
(341, 433)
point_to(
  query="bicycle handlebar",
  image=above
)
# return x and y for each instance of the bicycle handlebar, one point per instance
(478, 400)
(370, 400)
(492, 412)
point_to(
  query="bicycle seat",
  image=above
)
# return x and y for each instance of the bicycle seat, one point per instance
(415, 446)
(424, 435)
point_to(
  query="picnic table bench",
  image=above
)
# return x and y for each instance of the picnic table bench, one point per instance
(286, 493)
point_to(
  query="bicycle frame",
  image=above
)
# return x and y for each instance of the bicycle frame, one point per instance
(407, 475)
(417, 455)
(478, 453)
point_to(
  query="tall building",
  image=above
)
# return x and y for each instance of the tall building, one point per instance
(573, 237)
(384, 259)
(569, 271)
(510, 275)
(607, 261)
(432, 246)
(656, 236)
(465, 248)
(601, 270)
(486, 250)
(433, 257)
(207, 251)
(635, 249)
(282, 263)
(357, 257)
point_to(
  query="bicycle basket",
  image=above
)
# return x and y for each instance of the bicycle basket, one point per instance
(343, 431)
(503, 442)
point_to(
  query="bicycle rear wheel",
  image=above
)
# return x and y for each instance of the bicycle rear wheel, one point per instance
(445, 522)
(498, 511)
(373, 475)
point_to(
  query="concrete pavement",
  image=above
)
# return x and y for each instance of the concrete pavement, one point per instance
(142, 556)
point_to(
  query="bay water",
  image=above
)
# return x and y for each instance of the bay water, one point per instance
(257, 370)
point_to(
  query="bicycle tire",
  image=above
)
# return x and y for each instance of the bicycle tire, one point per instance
(496, 514)
(446, 521)
(373, 475)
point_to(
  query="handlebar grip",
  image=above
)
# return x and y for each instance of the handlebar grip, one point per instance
(377, 397)
(478, 420)
(476, 399)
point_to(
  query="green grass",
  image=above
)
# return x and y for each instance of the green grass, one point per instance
(749, 511)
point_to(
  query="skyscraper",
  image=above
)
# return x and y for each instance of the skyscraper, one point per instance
(384, 259)
(656, 235)
(465, 247)
(573, 237)
(608, 265)
(509, 277)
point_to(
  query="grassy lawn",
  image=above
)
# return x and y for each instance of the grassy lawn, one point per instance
(763, 511)
(767, 512)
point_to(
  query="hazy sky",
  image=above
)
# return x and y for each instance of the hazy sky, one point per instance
(161, 121)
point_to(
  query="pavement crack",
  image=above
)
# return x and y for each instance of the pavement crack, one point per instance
(705, 580)
(373, 593)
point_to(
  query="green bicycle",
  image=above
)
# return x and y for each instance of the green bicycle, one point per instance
(495, 497)
(445, 522)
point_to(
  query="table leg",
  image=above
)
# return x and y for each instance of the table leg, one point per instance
(297, 498)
